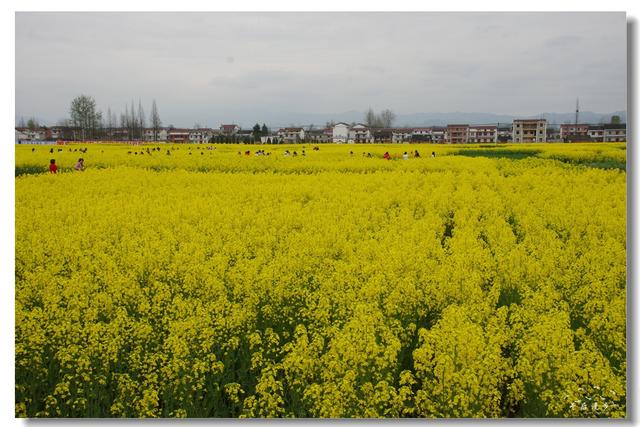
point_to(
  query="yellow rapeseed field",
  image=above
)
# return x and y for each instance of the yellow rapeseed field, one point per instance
(198, 281)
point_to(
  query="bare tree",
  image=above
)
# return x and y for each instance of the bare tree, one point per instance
(370, 118)
(374, 120)
(100, 125)
(127, 121)
(141, 119)
(387, 118)
(155, 120)
(111, 122)
(114, 122)
(123, 122)
(133, 122)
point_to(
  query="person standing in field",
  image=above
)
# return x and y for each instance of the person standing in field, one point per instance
(405, 156)
(433, 154)
(80, 165)
(52, 166)
(416, 154)
(387, 155)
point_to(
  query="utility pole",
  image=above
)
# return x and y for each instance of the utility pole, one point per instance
(577, 112)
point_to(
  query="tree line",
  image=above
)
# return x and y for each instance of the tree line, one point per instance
(93, 124)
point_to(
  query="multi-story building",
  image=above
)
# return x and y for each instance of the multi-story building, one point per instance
(291, 135)
(318, 135)
(328, 134)
(615, 132)
(358, 134)
(458, 134)
(22, 134)
(529, 130)
(383, 135)
(149, 134)
(573, 132)
(504, 134)
(553, 133)
(399, 135)
(229, 129)
(421, 135)
(26, 134)
(438, 134)
(200, 135)
(340, 133)
(178, 135)
(596, 133)
(483, 133)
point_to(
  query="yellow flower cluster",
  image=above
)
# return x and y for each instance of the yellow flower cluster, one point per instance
(482, 282)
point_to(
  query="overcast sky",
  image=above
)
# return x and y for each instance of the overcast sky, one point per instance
(217, 67)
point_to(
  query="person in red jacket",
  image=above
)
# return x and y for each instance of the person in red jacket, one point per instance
(387, 155)
(52, 166)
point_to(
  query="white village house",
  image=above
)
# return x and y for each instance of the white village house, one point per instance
(161, 137)
(291, 135)
(340, 133)
(359, 134)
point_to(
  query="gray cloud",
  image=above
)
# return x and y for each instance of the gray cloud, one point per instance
(206, 67)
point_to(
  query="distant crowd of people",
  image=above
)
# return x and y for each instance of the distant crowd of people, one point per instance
(79, 166)
(387, 155)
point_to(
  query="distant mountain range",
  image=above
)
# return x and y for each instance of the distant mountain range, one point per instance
(438, 119)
